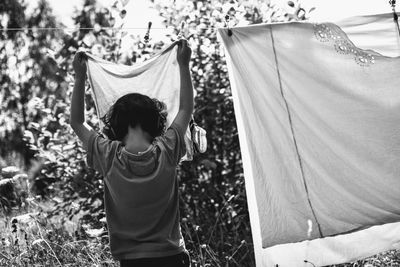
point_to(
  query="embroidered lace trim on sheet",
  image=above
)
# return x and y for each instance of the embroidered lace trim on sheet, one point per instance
(332, 33)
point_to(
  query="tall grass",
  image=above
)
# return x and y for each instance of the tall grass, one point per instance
(30, 237)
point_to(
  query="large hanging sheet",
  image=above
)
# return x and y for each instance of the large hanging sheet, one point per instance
(319, 129)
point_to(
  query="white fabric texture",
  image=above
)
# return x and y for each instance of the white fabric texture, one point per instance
(319, 131)
(157, 78)
(376, 32)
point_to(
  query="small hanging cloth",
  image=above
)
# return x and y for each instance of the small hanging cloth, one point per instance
(157, 78)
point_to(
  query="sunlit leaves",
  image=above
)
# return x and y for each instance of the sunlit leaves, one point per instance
(36, 86)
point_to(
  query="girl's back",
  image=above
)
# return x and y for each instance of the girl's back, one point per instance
(141, 194)
(141, 189)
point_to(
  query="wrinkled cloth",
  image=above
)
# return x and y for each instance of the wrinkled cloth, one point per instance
(376, 32)
(157, 78)
(319, 130)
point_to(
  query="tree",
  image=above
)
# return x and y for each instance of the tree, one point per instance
(214, 182)
(37, 94)
(31, 85)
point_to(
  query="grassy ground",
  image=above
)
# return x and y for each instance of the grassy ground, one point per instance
(29, 237)
(35, 240)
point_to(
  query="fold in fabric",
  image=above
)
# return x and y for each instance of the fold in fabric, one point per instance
(319, 131)
(157, 78)
(376, 32)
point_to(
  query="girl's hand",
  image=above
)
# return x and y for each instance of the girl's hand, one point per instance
(184, 53)
(79, 64)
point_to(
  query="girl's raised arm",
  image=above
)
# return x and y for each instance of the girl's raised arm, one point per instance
(77, 117)
(186, 91)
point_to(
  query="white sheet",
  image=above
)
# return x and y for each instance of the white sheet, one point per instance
(319, 130)
(157, 77)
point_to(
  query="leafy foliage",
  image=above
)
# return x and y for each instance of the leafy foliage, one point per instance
(36, 86)
(213, 184)
(37, 94)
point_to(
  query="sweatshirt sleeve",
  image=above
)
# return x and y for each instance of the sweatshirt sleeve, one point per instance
(101, 152)
(174, 142)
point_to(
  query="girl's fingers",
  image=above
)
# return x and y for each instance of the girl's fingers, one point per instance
(81, 56)
(182, 42)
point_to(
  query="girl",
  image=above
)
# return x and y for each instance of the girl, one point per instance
(138, 162)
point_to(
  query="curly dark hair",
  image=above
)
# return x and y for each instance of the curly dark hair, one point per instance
(132, 110)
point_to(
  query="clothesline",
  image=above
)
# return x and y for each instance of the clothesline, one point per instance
(88, 28)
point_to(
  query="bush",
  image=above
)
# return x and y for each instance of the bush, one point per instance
(36, 91)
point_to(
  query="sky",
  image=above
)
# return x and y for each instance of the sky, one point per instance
(333, 10)
(139, 12)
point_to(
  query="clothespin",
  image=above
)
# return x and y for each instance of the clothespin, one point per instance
(181, 30)
(392, 3)
(227, 20)
(147, 36)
